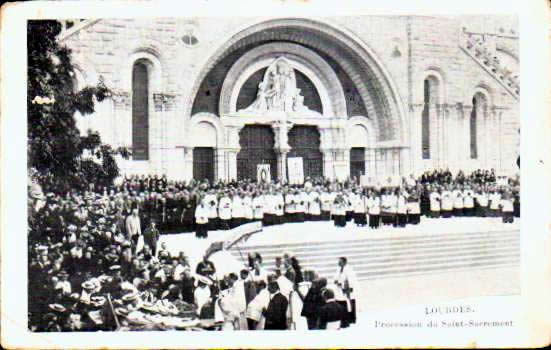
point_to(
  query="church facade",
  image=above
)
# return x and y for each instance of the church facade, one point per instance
(368, 95)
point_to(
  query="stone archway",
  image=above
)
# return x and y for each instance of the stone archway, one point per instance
(373, 83)
(302, 59)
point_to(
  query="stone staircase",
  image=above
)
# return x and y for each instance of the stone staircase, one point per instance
(398, 256)
(476, 46)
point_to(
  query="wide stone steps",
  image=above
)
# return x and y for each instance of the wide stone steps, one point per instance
(374, 258)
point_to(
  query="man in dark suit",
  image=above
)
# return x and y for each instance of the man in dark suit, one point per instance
(276, 313)
(151, 237)
(331, 311)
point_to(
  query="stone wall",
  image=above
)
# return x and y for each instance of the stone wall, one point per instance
(409, 49)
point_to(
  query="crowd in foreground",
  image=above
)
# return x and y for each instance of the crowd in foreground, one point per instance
(94, 261)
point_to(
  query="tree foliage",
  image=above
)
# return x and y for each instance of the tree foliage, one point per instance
(62, 158)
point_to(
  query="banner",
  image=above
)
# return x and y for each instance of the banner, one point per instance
(391, 181)
(295, 170)
(263, 173)
(368, 181)
(341, 172)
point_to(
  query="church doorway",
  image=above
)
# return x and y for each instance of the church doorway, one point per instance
(357, 162)
(305, 142)
(257, 147)
(203, 163)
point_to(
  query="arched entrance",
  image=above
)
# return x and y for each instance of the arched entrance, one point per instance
(257, 147)
(204, 139)
(305, 142)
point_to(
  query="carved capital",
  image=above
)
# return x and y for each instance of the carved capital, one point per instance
(416, 107)
(121, 99)
(163, 102)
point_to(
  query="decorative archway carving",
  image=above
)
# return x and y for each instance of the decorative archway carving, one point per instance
(357, 60)
(302, 59)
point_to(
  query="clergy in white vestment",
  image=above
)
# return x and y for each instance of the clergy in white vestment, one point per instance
(345, 278)
(255, 319)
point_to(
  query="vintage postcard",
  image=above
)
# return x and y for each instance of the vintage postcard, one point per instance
(275, 174)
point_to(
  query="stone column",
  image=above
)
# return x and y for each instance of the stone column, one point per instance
(282, 164)
(416, 137)
(232, 163)
(122, 110)
(370, 168)
(230, 152)
(188, 163)
(446, 158)
(220, 164)
(281, 146)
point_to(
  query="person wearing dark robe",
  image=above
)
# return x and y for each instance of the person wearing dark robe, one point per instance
(313, 301)
(206, 268)
(331, 311)
(187, 286)
(276, 312)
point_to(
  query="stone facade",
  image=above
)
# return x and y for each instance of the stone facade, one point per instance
(368, 73)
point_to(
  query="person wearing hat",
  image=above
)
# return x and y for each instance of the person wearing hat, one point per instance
(63, 284)
(206, 268)
(132, 301)
(113, 284)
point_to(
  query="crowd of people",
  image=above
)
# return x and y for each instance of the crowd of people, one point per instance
(94, 261)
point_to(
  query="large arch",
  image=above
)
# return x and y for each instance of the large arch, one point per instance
(306, 61)
(373, 83)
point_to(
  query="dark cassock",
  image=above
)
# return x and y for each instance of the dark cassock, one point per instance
(331, 311)
(276, 313)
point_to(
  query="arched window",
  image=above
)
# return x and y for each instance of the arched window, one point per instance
(140, 110)
(472, 128)
(425, 121)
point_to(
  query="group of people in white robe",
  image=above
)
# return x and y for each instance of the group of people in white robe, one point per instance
(395, 204)
(262, 300)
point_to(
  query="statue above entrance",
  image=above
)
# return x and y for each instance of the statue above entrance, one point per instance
(278, 92)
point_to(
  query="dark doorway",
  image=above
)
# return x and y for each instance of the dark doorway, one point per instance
(257, 147)
(357, 162)
(203, 163)
(305, 142)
